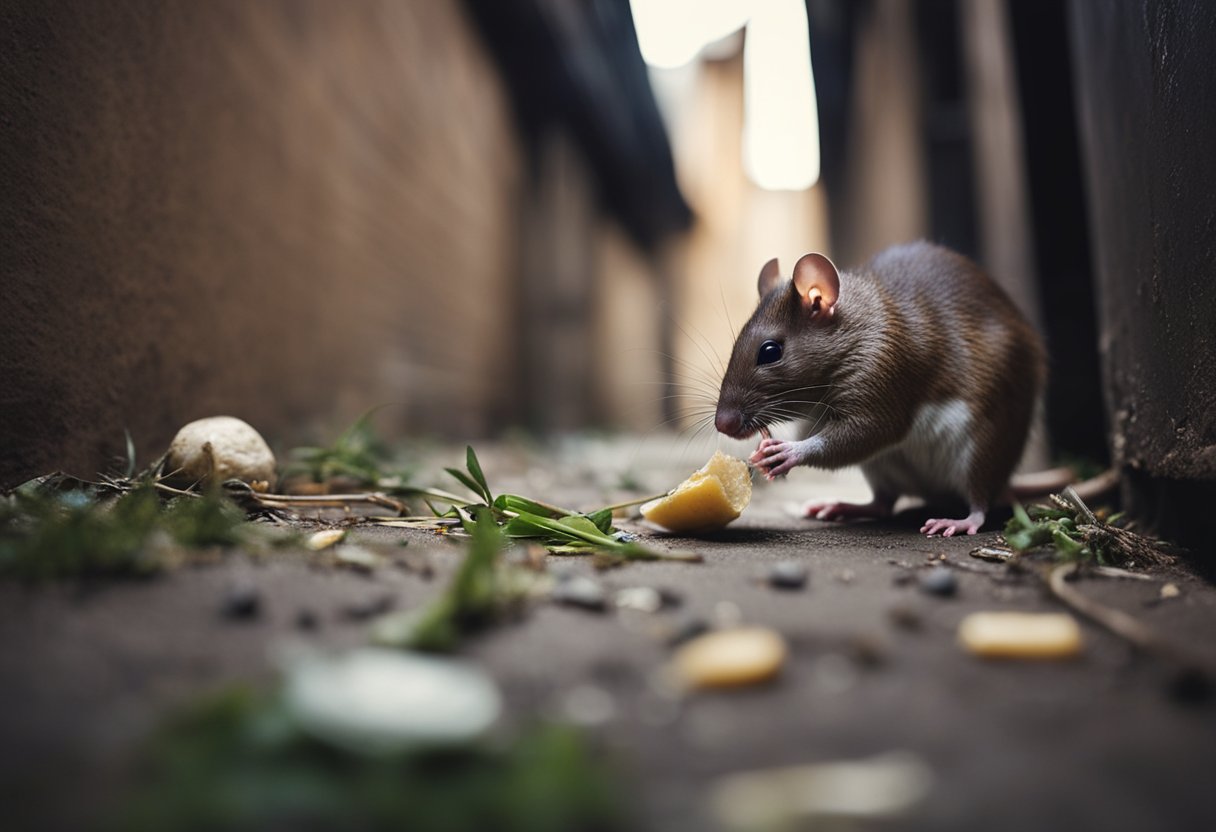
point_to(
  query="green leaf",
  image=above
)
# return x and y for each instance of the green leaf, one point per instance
(475, 470)
(466, 481)
(602, 520)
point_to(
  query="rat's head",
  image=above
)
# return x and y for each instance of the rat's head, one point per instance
(786, 351)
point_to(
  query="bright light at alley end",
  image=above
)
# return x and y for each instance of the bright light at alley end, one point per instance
(781, 119)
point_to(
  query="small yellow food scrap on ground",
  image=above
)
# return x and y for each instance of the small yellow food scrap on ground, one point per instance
(325, 539)
(730, 658)
(1020, 635)
(709, 499)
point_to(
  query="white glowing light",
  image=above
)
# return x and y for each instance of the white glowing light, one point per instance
(671, 33)
(781, 119)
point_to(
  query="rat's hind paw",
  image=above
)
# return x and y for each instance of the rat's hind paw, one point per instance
(836, 510)
(948, 528)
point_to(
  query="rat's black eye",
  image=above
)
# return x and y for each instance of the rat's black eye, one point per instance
(770, 351)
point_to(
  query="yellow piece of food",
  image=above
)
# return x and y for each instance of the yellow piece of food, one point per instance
(709, 499)
(325, 539)
(1020, 635)
(730, 658)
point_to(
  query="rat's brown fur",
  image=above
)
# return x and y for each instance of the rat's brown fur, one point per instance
(918, 325)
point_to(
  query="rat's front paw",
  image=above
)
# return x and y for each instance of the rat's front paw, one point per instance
(775, 457)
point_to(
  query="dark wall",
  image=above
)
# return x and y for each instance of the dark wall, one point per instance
(1146, 81)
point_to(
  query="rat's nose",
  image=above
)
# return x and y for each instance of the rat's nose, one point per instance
(729, 421)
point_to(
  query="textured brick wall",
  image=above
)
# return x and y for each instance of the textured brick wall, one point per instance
(281, 210)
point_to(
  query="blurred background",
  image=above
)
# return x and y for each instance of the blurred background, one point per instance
(549, 214)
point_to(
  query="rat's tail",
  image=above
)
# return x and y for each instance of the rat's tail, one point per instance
(1032, 486)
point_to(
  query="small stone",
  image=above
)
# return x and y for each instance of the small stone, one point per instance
(1170, 591)
(940, 581)
(242, 601)
(640, 598)
(581, 591)
(731, 658)
(787, 574)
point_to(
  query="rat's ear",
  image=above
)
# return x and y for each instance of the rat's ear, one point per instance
(770, 275)
(818, 284)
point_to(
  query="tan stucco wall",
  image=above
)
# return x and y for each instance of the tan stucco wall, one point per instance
(282, 210)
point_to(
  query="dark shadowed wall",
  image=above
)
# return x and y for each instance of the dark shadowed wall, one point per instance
(285, 210)
(1146, 81)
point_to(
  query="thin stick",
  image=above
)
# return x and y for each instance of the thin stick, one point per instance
(1122, 624)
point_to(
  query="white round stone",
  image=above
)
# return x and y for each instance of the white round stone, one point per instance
(221, 446)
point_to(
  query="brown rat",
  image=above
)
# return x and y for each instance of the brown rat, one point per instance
(917, 367)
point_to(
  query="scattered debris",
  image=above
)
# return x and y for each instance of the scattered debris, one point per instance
(787, 574)
(830, 795)
(996, 554)
(940, 581)
(1020, 635)
(1077, 534)
(730, 658)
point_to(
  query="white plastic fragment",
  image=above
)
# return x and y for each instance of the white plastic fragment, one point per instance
(378, 701)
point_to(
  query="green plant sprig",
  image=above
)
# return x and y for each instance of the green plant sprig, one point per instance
(1077, 535)
(562, 531)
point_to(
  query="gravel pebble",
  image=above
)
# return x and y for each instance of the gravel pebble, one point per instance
(939, 580)
(581, 591)
(242, 601)
(787, 574)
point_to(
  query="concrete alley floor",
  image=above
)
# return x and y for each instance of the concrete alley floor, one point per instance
(1103, 742)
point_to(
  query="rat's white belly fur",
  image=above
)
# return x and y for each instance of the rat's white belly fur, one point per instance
(933, 459)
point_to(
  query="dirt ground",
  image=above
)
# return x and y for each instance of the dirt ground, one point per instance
(1108, 741)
